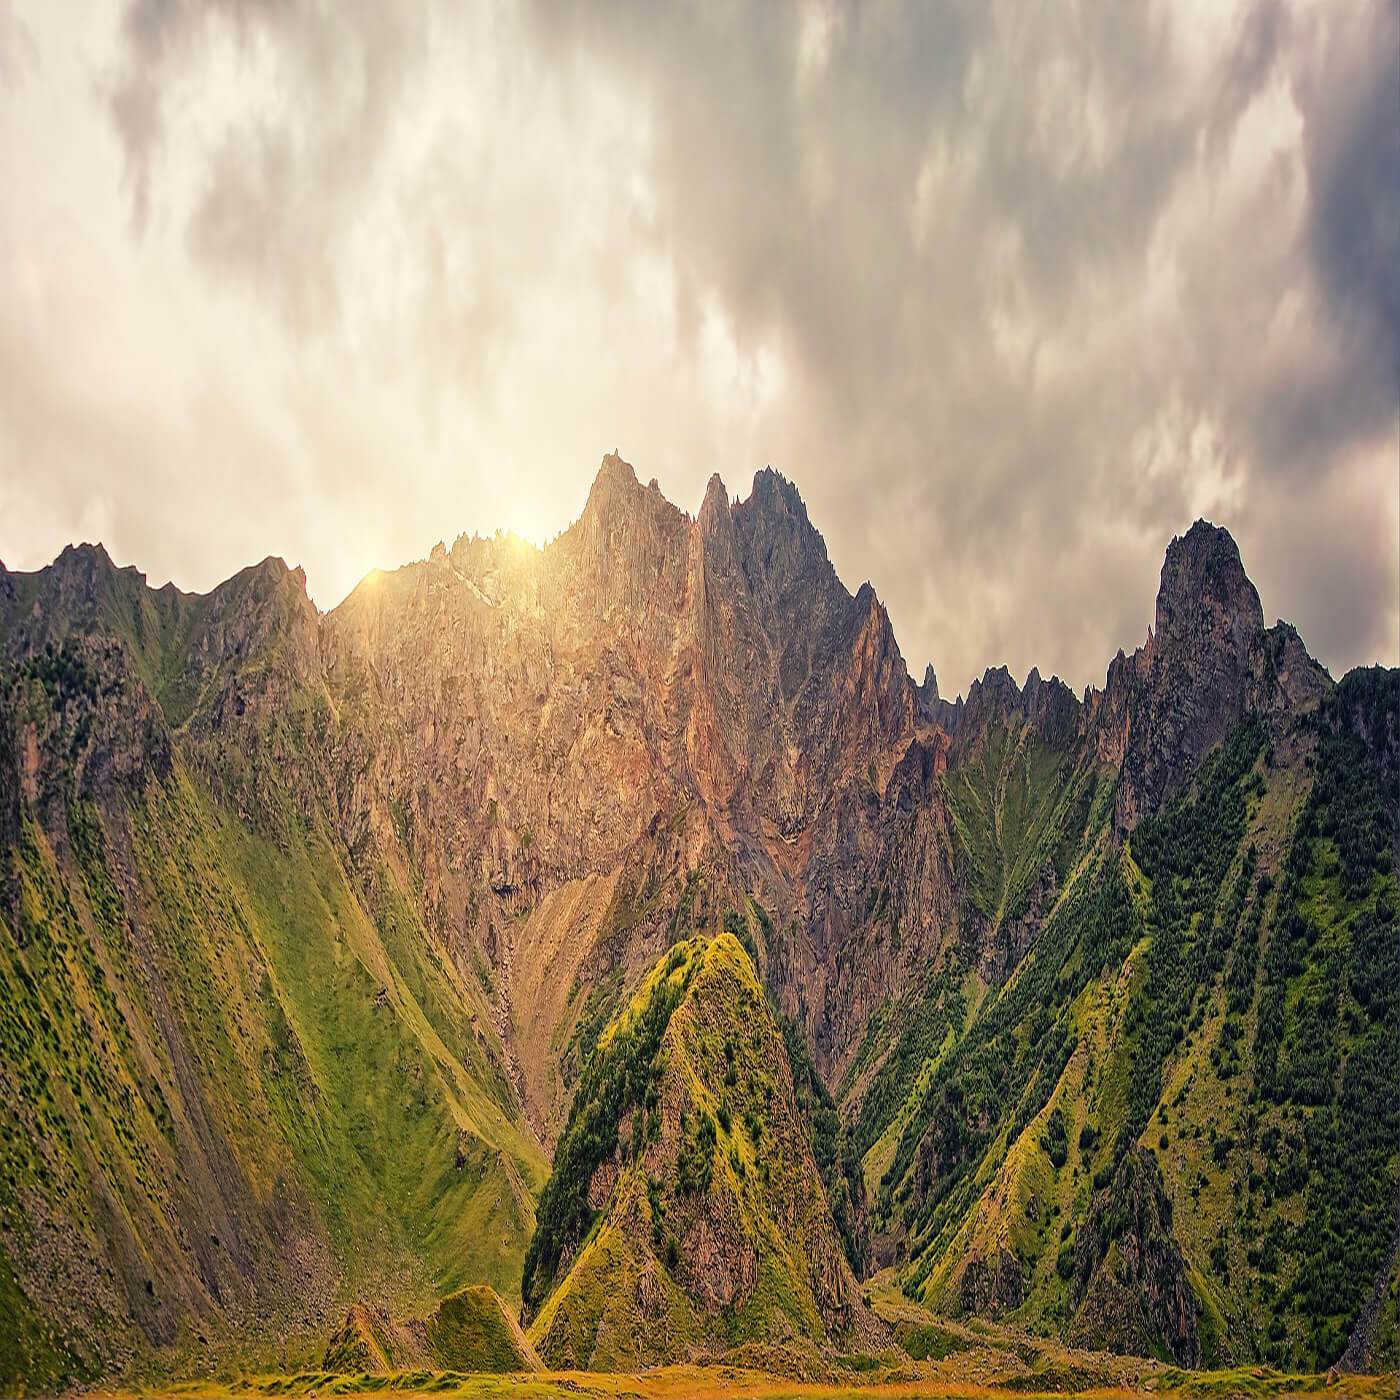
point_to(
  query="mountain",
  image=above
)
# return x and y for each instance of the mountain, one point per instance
(570, 732)
(685, 1215)
(1129, 1125)
(313, 924)
(241, 1081)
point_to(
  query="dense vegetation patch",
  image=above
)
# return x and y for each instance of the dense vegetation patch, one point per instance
(941, 1008)
(836, 1155)
(1001, 1074)
(1327, 1047)
(621, 1075)
(1186, 852)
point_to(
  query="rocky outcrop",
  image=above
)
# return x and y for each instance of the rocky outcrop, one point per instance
(686, 1213)
(992, 1285)
(1129, 1283)
(1198, 663)
(1208, 662)
(470, 1330)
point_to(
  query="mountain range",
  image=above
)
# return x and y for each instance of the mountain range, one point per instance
(619, 925)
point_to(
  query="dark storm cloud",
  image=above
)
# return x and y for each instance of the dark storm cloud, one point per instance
(1064, 136)
(1351, 105)
(1042, 282)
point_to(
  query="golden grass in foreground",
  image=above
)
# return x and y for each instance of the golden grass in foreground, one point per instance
(729, 1383)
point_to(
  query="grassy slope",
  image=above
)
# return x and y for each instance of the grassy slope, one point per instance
(1141, 1053)
(1019, 808)
(954, 1361)
(236, 1089)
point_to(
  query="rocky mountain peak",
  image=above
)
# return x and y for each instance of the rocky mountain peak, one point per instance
(783, 550)
(775, 507)
(1205, 592)
(619, 547)
(774, 494)
(1050, 707)
(1204, 667)
(614, 473)
(715, 506)
(611, 498)
(85, 555)
(995, 691)
(273, 573)
(715, 538)
(83, 569)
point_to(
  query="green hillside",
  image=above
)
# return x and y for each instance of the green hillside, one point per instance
(242, 1084)
(1174, 1128)
(686, 1214)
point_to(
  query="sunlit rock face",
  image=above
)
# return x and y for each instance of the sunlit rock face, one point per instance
(649, 694)
(539, 716)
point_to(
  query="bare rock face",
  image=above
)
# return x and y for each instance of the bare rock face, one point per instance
(1207, 664)
(1209, 627)
(992, 1285)
(521, 719)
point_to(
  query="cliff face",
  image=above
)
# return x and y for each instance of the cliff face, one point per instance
(522, 720)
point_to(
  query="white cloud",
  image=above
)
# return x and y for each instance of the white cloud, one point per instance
(1010, 295)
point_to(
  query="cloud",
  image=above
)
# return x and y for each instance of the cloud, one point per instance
(1012, 293)
(1351, 96)
(1061, 284)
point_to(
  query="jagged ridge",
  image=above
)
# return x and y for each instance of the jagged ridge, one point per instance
(533, 770)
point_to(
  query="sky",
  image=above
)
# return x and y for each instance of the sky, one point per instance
(1012, 292)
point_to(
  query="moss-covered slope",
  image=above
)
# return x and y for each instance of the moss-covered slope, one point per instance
(686, 1214)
